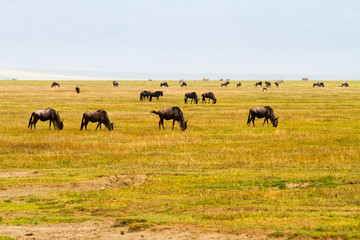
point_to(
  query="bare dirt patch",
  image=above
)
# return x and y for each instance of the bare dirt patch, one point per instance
(18, 174)
(106, 230)
(290, 185)
(109, 182)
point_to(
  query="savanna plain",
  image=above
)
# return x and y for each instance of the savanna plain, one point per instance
(297, 181)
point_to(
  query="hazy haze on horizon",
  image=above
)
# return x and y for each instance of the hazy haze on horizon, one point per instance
(109, 39)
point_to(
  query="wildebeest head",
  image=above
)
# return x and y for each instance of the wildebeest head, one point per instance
(275, 122)
(112, 126)
(214, 101)
(61, 125)
(184, 125)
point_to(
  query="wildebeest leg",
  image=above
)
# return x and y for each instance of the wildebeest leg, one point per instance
(99, 124)
(161, 122)
(173, 124)
(265, 121)
(253, 120)
(86, 123)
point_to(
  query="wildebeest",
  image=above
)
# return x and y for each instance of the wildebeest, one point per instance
(238, 84)
(305, 79)
(267, 84)
(321, 84)
(144, 94)
(99, 116)
(115, 83)
(262, 112)
(206, 79)
(77, 89)
(55, 84)
(264, 89)
(258, 84)
(225, 84)
(192, 96)
(173, 113)
(208, 95)
(156, 94)
(277, 84)
(45, 115)
(183, 84)
(164, 84)
(345, 84)
(318, 84)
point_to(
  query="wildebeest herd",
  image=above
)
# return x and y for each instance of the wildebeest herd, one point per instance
(174, 113)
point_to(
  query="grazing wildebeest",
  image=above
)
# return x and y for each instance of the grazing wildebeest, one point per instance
(183, 84)
(173, 113)
(305, 79)
(45, 115)
(55, 84)
(279, 81)
(192, 96)
(238, 84)
(206, 79)
(345, 84)
(144, 94)
(225, 84)
(209, 95)
(260, 112)
(77, 90)
(99, 116)
(156, 94)
(316, 85)
(115, 83)
(321, 84)
(164, 84)
(258, 84)
(264, 89)
(277, 84)
(267, 84)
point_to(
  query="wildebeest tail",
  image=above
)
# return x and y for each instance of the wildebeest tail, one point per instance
(153, 111)
(249, 118)
(82, 122)
(31, 118)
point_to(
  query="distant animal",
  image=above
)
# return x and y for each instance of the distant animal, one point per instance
(305, 79)
(264, 89)
(267, 84)
(115, 83)
(262, 112)
(225, 84)
(206, 79)
(321, 84)
(156, 94)
(238, 84)
(174, 114)
(318, 84)
(221, 79)
(45, 115)
(144, 94)
(77, 90)
(208, 95)
(277, 84)
(55, 84)
(99, 116)
(183, 84)
(345, 84)
(182, 80)
(164, 84)
(192, 96)
(258, 84)
(150, 79)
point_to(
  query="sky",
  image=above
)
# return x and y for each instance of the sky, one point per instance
(184, 36)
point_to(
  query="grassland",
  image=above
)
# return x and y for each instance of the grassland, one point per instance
(301, 178)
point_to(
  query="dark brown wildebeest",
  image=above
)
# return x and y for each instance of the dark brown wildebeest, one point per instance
(144, 94)
(305, 79)
(192, 96)
(321, 84)
(277, 84)
(156, 94)
(99, 116)
(183, 84)
(174, 114)
(208, 95)
(55, 84)
(45, 115)
(316, 84)
(345, 84)
(77, 89)
(115, 83)
(267, 84)
(164, 84)
(258, 84)
(262, 112)
(238, 84)
(225, 84)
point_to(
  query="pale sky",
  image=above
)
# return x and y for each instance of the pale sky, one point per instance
(192, 36)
